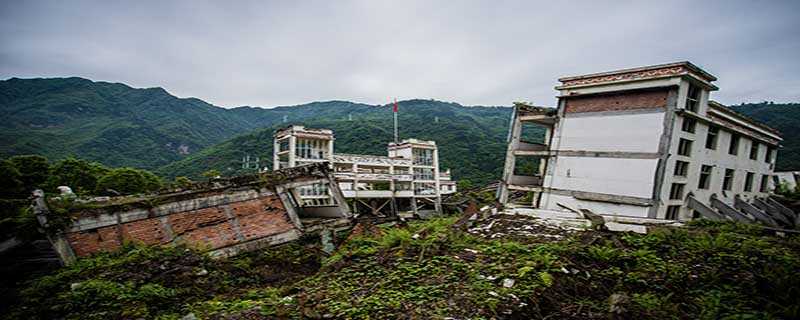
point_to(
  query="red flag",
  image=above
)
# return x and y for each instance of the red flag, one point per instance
(395, 106)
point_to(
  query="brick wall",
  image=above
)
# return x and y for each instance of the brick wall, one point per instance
(630, 100)
(216, 226)
(223, 216)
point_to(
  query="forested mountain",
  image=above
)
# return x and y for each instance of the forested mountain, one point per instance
(117, 125)
(785, 117)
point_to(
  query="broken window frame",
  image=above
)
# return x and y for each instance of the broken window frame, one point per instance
(672, 212)
(748, 181)
(727, 179)
(705, 177)
(676, 191)
(754, 146)
(688, 125)
(711, 137)
(283, 144)
(733, 148)
(681, 168)
(764, 183)
(770, 154)
(693, 98)
(685, 147)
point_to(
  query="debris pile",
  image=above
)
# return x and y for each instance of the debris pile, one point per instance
(521, 228)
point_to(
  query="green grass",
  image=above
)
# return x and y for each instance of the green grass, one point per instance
(428, 270)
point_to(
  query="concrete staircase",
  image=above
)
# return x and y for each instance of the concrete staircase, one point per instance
(764, 211)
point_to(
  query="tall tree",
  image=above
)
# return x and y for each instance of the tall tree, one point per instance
(33, 169)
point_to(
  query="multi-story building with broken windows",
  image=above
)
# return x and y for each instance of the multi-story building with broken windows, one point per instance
(406, 181)
(644, 142)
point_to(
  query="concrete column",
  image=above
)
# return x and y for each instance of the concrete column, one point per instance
(508, 169)
(275, 159)
(330, 151)
(355, 180)
(292, 150)
(438, 203)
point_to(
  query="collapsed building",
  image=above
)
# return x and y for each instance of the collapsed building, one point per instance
(406, 182)
(644, 143)
(223, 216)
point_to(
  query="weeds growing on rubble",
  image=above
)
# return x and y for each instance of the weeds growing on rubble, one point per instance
(427, 269)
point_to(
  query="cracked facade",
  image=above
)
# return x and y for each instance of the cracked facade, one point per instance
(647, 143)
(405, 182)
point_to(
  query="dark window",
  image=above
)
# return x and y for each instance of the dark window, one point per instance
(672, 212)
(764, 182)
(676, 192)
(727, 180)
(734, 147)
(748, 182)
(770, 151)
(705, 177)
(685, 147)
(693, 98)
(688, 125)
(754, 150)
(711, 138)
(681, 167)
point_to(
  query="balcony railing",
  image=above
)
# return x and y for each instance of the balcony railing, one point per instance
(372, 176)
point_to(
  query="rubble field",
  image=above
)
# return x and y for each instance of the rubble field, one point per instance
(498, 267)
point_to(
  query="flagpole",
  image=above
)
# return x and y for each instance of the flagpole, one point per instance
(396, 139)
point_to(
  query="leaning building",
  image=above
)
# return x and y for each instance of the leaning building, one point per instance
(644, 142)
(406, 181)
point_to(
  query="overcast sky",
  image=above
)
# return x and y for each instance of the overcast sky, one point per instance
(269, 53)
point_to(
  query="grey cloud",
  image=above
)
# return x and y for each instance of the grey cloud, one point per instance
(473, 52)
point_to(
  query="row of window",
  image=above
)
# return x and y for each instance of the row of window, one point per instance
(311, 149)
(423, 157)
(423, 174)
(682, 168)
(685, 146)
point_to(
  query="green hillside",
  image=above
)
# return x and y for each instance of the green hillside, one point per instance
(107, 122)
(117, 125)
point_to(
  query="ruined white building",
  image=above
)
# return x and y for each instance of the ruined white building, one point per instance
(406, 181)
(644, 142)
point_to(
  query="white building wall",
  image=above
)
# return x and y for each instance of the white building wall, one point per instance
(604, 132)
(613, 132)
(627, 177)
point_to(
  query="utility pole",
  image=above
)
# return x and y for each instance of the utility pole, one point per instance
(396, 136)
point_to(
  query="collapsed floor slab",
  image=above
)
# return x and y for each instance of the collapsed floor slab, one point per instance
(224, 216)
